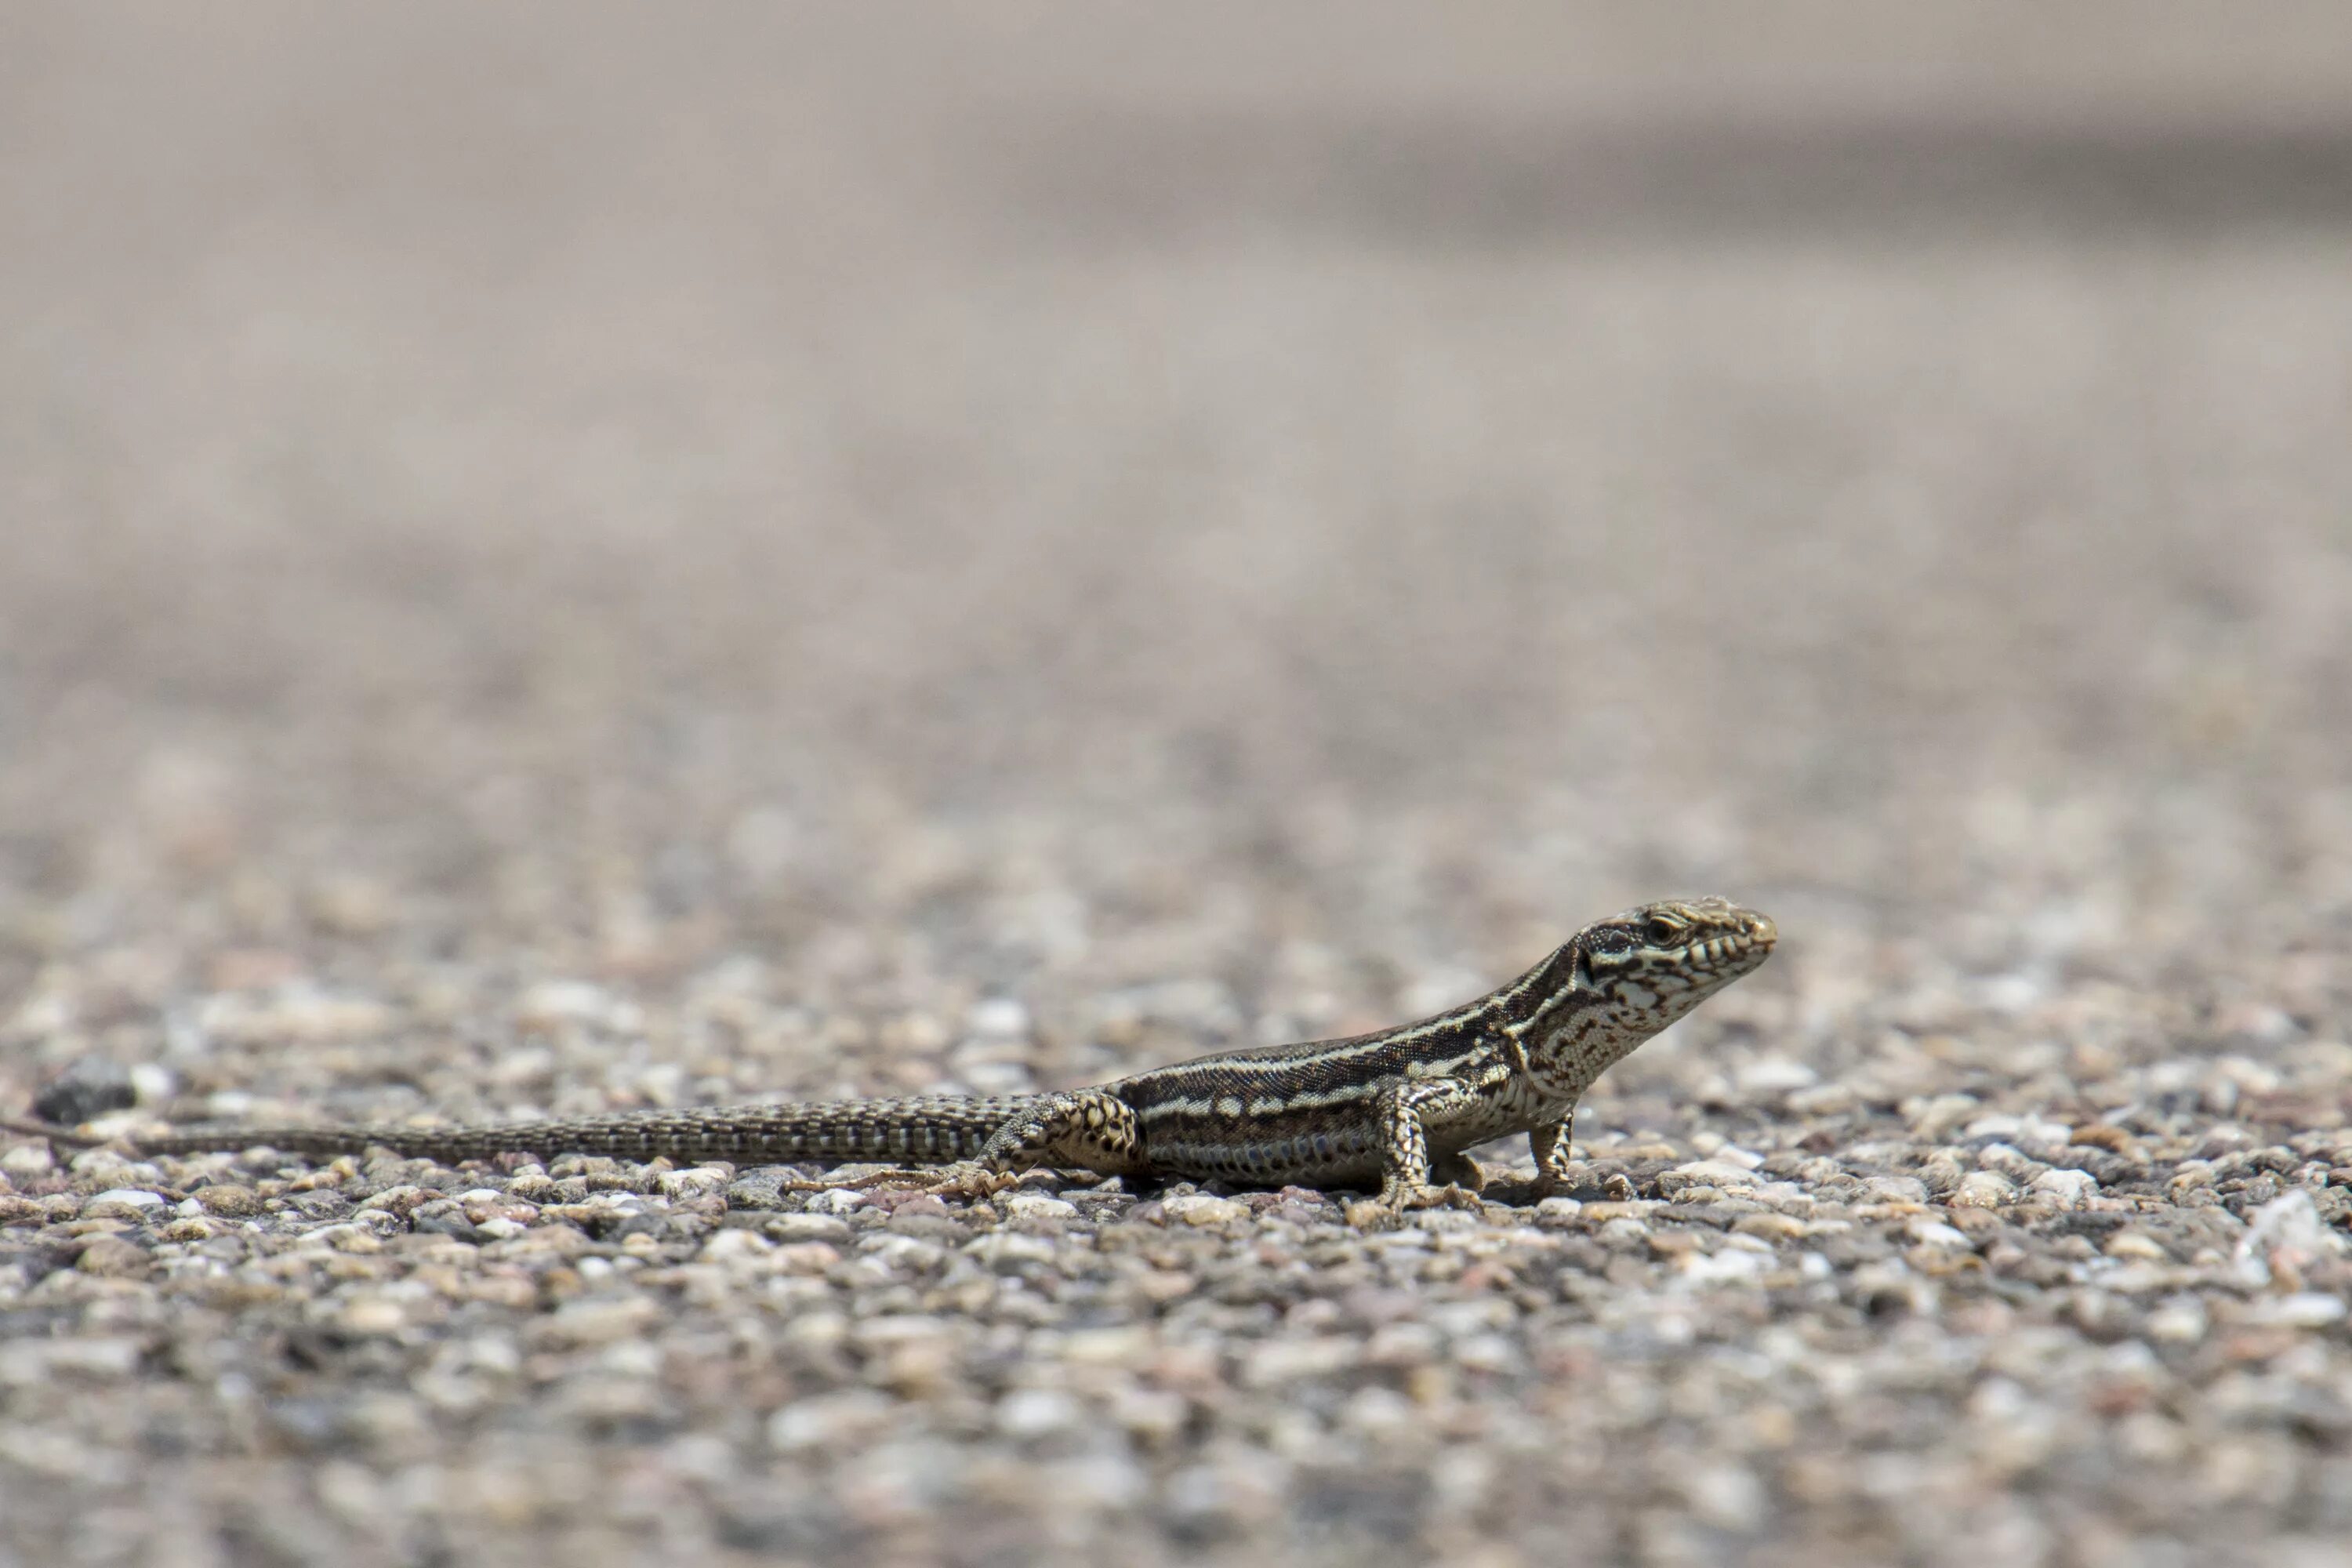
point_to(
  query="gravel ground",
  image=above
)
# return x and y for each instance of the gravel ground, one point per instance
(555, 563)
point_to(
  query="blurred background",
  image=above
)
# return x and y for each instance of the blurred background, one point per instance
(1320, 501)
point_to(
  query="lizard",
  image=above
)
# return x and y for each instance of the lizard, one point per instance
(1392, 1110)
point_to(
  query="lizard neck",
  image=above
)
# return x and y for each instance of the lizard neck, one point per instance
(1576, 1031)
(1577, 1045)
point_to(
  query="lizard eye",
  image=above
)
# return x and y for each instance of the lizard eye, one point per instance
(1659, 932)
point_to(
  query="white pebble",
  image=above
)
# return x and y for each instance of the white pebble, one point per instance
(1278, 1361)
(840, 1201)
(1893, 1190)
(2067, 1189)
(1716, 1172)
(736, 1244)
(1733, 1263)
(818, 1423)
(554, 1002)
(2303, 1309)
(1003, 1018)
(698, 1182)
(1034, 1412)
(1984, 1190)
(1936, 1233)
(26, 1362)
(1775, 1075)
(1200, 1208)
(1824, 1099)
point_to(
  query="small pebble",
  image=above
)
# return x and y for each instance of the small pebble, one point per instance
(228, 1200)
(2301, 1310)
(1201, 1209)
(2066, 1189)
(1984, 1190)
(112, 1258)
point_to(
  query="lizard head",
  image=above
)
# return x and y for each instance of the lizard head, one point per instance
(1619, 981)
(1681, 940)
(1660, 961)
(1647, 967)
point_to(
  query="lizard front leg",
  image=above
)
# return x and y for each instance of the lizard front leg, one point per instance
(1555, 1170)
(1404, 1111)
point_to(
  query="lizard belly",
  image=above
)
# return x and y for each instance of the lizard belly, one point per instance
(1331, 1155)
(1488, 1120)
(1259, 1121)
(1312, 1144)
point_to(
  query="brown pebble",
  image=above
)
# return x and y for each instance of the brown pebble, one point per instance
(228, 1200)
(1769, 1226)
(2103, 1135)
(112, 1258)
(918, 1205)
(1161, 1285)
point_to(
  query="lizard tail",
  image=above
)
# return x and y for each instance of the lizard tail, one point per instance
(927, 1130)
(64, 1137)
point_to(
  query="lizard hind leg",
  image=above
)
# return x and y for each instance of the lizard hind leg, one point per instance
(1085, 1130)
(1082, 1129)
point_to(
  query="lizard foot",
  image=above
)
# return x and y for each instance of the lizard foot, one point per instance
(1391, 1206)
(1547, 1185)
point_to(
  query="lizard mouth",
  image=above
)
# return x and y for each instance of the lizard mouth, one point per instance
(1745, 947)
